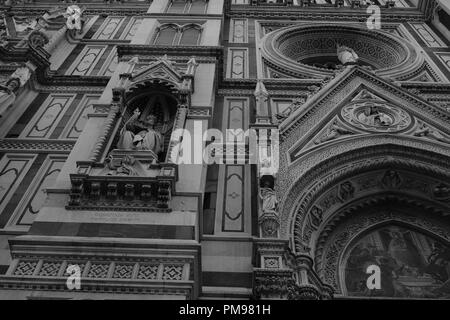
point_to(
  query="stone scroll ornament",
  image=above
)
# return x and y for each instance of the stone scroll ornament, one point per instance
(73, 16)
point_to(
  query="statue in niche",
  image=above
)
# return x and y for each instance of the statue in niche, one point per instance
(268, 197)
(425, 131)
(8, 91)
(346, 55)
(138, 134)
(374, 116)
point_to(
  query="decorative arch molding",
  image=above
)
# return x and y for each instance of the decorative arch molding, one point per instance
(307, 189)
(358, 140)
(287, 49)
(348, 226)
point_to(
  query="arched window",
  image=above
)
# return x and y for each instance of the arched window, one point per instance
(177, 6)
(187, 6)
(190, 36)
(172, 34)
(198, 7)
(166, 35)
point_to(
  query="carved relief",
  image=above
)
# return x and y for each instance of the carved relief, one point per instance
(122, 166)
(426, 131)
(442, 192)
(327, 259)
(376, 117)
(391, 179)
(346, 191)
(334, 131)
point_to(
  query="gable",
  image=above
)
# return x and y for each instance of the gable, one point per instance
(161, 69)
(357, 104)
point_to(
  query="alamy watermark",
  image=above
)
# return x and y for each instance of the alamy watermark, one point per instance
(73, 281)
(234, 146)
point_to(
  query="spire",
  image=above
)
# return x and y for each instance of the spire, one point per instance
(260, 90)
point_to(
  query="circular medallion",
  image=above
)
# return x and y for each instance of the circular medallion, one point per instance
(376, 117)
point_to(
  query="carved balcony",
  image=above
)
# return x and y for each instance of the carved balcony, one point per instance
(126, 181)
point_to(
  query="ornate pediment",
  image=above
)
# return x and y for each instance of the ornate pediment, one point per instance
(373, 106)
(162, 72)
(162, 68)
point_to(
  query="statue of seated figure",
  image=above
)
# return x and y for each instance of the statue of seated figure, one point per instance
(138, 134)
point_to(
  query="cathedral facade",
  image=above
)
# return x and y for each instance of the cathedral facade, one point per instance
(223, 149)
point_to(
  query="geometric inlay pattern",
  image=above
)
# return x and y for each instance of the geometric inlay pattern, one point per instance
(271, 262)
(25, 268)
(123, 271)
(98, 270)
(173, 272)
(147, 271)
(50, 269)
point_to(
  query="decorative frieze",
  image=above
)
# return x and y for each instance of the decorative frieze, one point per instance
(102, 270)
(40, 146)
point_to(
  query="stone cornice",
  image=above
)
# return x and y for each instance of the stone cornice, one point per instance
(323, 13)
(131, 9)
(188, 51)
(36, 145)
(271, 84)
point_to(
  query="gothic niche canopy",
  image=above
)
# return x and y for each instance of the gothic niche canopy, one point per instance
(131, 167)
(312, 51)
